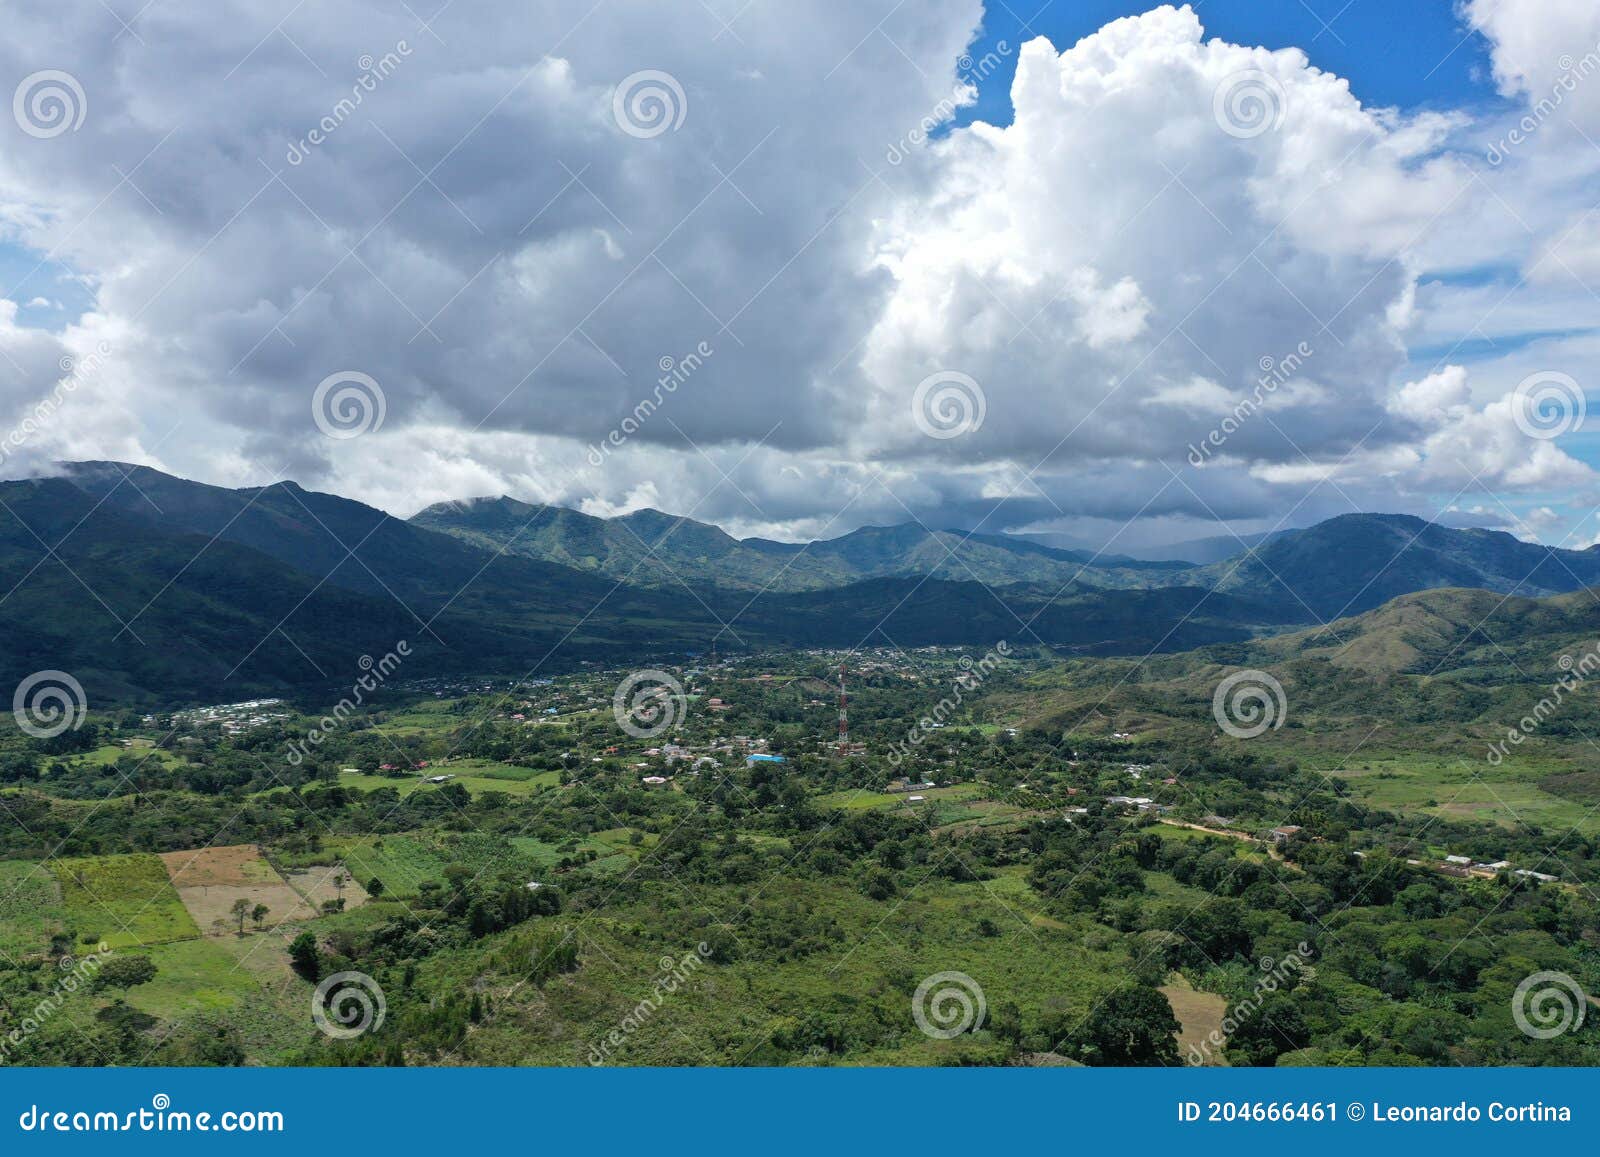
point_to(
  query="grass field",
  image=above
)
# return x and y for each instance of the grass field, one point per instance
(1200, 1014)
(105, 756)
(30, 907)
(477, 776)
(865, 963)
(124, 901)
(1468, 789)
(425, 715)
(853, 799)
(193, 976)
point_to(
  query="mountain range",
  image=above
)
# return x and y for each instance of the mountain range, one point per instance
(156, 589)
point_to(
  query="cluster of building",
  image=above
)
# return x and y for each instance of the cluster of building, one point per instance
(1467, 866)
(233, 718)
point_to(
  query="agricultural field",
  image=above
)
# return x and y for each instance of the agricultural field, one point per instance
(402, 862)
(211, 881)
(611, 850)
(122, 901)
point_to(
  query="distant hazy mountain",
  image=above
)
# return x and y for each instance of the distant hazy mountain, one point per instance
(1201, 551)
(648, 548)
(1358, 561)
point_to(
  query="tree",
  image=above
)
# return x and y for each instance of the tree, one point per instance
(240, 910)
(880, 884)
(124, 972)
(305, 958)
(1134, 1025)
(1276, 1027)
(375, 888)
(258, 914)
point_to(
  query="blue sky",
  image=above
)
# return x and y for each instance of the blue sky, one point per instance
(1412, 54)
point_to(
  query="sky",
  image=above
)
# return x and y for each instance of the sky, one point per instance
(1125, 274)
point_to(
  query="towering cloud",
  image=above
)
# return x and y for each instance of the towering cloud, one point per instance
(736, 261)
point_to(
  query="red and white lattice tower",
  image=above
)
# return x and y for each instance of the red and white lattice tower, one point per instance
(844, 717)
